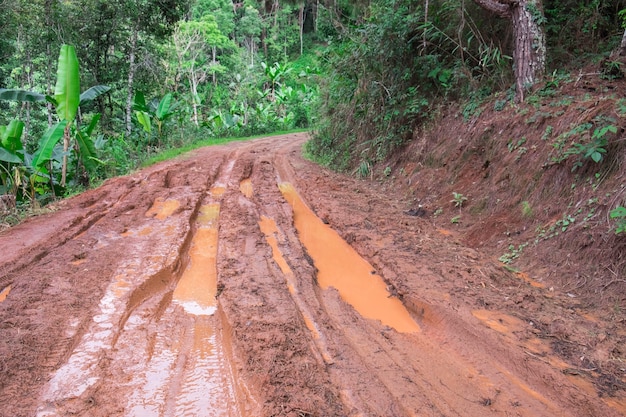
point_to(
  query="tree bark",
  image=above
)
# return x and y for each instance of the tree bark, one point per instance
(622, 47)
(214, 63)
(301, 24)
(193, 84)
(529, 50)
(66, 146)
(426, 6)
(529, 55)
(131, 76)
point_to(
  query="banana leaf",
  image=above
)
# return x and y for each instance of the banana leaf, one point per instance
(11, 136)
(144, 120)
(86, 145)
(164, 107)
(139, 102)
(46, 144)
(14, 94)
(67, 90)
(7, 156)
(92, 93)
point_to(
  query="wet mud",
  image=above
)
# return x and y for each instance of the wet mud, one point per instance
(241, 280)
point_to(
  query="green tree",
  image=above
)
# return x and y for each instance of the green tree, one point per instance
(196, 43)
(249, 29)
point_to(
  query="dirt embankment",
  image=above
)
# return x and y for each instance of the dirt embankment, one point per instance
(216, 285)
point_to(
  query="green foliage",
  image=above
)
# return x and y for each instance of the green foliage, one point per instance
(527, 210)
(619, 215)
(547, 133)
(473, 107)
(86, 145)
(587, 141)
(364, 169)
(512, 254)
(536, 13)
(161, 111)
(36, 169)
(387, 75)
(595, 149)
(14, 94)
(622, 15)
(93, 93)
(10, 140)
(580, 31)
(512, 146)
(458, 199)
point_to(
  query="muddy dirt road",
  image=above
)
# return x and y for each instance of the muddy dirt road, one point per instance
(242, 280)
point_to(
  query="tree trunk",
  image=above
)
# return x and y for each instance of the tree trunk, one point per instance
(49, 86)
(193, 84)
(264, 41)
(214, 63)
(622, 47)
(426, 25)
(301, 22)
(66, 146)
(529, 51)
(529, 55)
(131, 77)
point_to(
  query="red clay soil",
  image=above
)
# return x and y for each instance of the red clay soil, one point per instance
(95, 322)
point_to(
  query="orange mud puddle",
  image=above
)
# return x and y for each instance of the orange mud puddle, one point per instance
(245, 186)
(5, 292)
(341, 267)
(162, 209)
(218, 191)
(197, 287)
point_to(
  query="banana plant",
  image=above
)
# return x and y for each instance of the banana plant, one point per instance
(17, 167)
(275, 73)
(158, 110)
(66, 101)
(10, 145)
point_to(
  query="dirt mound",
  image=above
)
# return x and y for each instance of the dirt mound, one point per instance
(205, 286)
(518, 182)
